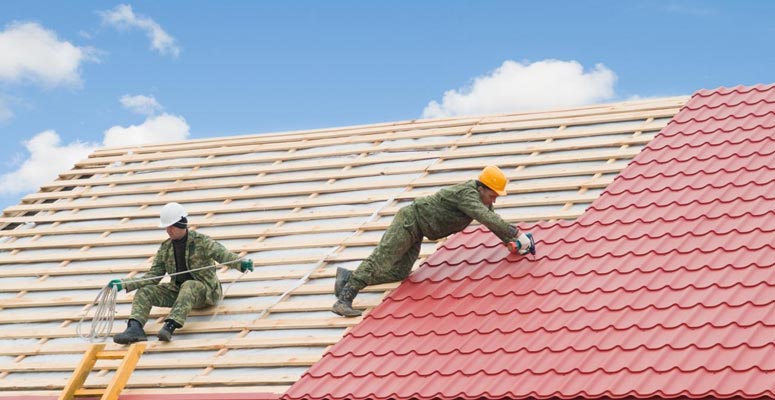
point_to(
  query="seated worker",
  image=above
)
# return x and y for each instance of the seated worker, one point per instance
(448, 211)
(184, 251)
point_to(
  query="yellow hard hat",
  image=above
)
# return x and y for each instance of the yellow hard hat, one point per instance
(493, 178)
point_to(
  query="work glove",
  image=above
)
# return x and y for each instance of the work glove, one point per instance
(523, 244)
(246, 265)
(116, 283)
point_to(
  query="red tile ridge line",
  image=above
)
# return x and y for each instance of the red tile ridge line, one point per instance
(677, 120)
(481, 371)
(607, 254)
(708, 171)
(599, 273)
(726, 214)
(610, 239)
(725, 142)
(580, 291)
(520, 329)
(715, 131)
(697, 202)
(741, 89)
(546, 351)
(678, 189)
(633, 237)
(605, 308)
(707, 106)
(523, 349)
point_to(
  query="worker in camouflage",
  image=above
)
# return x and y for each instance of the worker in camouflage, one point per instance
(183, 252)
(448, 211)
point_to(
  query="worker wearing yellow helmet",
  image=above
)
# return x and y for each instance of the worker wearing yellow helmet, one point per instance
(448, 211)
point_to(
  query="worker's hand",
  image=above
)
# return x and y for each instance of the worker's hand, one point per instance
(523, 244)
(246, 265)
(116, 283)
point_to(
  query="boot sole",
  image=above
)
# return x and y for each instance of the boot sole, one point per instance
(130, 341)
(164, 336)
(353, 315)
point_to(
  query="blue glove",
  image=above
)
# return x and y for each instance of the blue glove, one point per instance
(116, 283)
(246, 265)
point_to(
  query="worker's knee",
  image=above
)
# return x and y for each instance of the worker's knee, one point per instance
(192, 285)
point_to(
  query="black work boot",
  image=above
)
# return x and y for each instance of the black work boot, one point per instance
(342, 277)
(344, 306)
(134, 333)
(165, 333)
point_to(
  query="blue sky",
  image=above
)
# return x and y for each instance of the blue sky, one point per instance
(199, 69)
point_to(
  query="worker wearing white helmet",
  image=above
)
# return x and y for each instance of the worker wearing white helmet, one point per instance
(180, 256)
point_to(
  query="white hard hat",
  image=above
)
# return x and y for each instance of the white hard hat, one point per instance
(170, 214)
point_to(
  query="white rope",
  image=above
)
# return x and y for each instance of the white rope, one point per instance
(102, 322)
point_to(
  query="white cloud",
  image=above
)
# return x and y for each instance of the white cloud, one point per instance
(47, 159)
(5, 111)
(162, 128)
(123, 17)
(30, 52)
(515, 86)
(146, 105)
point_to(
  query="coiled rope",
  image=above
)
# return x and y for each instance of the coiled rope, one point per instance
(102, 322)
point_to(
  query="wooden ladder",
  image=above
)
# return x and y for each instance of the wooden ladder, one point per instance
(96, 352)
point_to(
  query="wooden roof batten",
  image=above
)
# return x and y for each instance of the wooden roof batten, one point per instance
(557, 162)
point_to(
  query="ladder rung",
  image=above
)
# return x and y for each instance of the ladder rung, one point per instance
(89, 392)
(111, 355)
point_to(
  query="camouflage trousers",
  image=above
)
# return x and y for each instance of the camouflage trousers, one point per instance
(392, 259)
(191, 294)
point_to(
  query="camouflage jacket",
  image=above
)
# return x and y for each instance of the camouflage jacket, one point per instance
(201, 251)
(451, 209)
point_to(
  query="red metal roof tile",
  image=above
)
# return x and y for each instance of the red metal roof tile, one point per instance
(664, 287)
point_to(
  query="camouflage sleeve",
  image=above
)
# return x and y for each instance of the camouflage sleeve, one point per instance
(221, 254)
(471, 204)
(157, 270)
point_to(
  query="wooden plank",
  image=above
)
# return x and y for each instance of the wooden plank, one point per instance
(22, 258)
(235, 292)
(503, 202)
(513, 189)
(199, 327)
(317, 187)
(89, 392)
(257, 275)
(256, 361)
(162, 380)
(135, 157)
(269, 204)
(225, 309)
(180, 344)
(342, 133)
(347, 132)
(81, 372)
(336, 171)
(576, 120)
(156, 236)
(111, 354)
(325, 187)
(205, 390)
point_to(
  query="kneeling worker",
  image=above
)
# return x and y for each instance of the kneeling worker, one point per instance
(184, 251)
(448, 211)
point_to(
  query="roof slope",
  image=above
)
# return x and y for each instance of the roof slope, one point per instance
(300, 204)
(664, 287)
